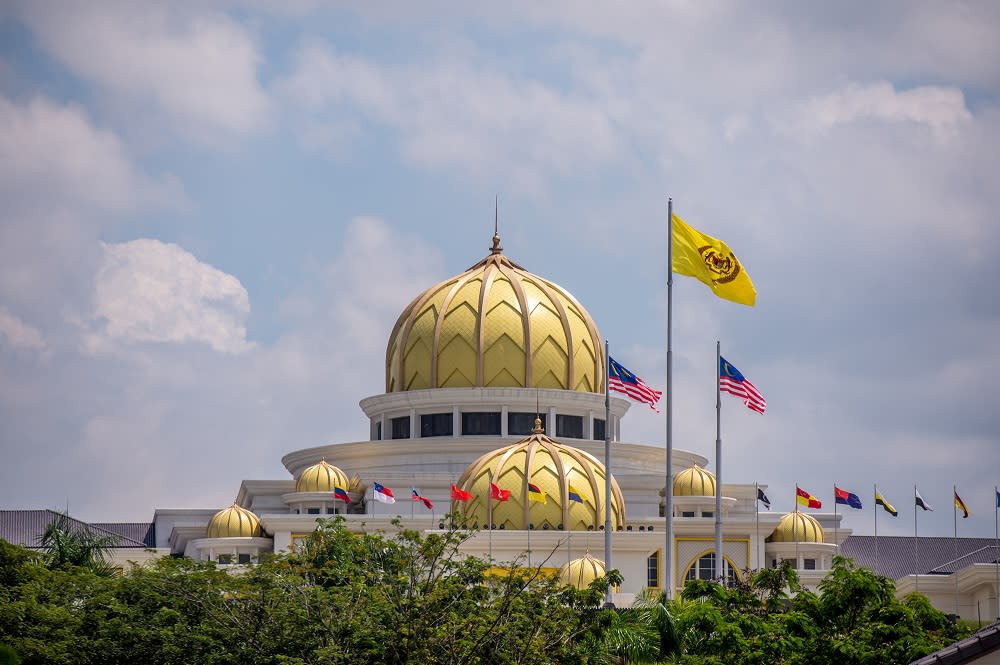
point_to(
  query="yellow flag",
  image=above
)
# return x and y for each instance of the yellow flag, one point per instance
(710, 260)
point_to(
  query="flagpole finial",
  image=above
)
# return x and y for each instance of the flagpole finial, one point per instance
(538, 426)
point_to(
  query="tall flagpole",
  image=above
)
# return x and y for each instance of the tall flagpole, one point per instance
(607, 469)
(668, 490)
(719, 568)
(756, 519)
(996, 540)
(954, 519)
(836, 540)
(489, 512)
(916, 551)
(795, 527)
(875, 513)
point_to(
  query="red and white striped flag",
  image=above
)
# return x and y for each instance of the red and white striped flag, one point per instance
(620, 380)
(733, 382)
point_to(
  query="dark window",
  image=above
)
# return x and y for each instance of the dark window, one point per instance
(791, 562)
(704, 569)
(378, 431)
(708, 513)
(687, 513)
(521, 424)
(313, 511)
(599, 433)
(481, 423)
(401, 428)
(653, 570)
(244, 558)
(225, 559)
(570, 427)
(436, 424)
(809, 564)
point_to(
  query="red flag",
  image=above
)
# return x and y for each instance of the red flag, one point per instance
(422, 499)
(459, 494)
(804, 498)
(498, 494)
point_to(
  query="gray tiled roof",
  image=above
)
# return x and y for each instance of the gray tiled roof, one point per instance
(25, 528)
(984, 641)
(898, 555)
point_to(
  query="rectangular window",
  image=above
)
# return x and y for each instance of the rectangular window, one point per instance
(436, 424)
(378, 431)
(225, 559)
(809, 564)
(244, 559)
(521, 424)
(599, 429)
(791, 562)
(401, 427)
(313, 511)
(569, 427)
(481, 423)
(708, 513)
(653, 570)
(687, 513)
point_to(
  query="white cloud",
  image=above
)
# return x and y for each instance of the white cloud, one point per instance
(150, 291)
(942, 109)
(453, 115)
(18, 334)
(196, 69)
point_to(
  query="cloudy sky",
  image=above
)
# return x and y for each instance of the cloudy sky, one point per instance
(213, 213)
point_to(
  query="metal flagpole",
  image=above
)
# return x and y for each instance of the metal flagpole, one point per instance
(836, 540)
(996, 539)
(916, 553)
(607, 469)
(954, 516)
(756, 519)
(795, 527)
(668, 491)
(719, 567)
(489, 511)
(875, 512)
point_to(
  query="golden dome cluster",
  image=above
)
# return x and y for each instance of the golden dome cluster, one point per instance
(553, 468)
(797, 527)
(234, 522)
(321, 477)
(495, 325)
(695, 481)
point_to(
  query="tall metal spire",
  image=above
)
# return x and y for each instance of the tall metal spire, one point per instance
(496, 249)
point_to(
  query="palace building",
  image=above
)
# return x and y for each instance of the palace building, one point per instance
(497, 376)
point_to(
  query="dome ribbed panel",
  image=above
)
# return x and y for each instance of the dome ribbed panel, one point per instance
(457, 352)
(503, 337)
(417, 356)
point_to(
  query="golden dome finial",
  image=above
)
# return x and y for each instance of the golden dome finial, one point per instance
(538, 426)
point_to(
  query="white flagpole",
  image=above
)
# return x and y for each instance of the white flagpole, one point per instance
(489, 512)
(996, 539)
(607, 469)
(668, 491)
(756, 519)
(719, 567)
(795, 527)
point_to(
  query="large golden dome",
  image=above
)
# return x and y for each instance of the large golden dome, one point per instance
(321, 477)
(797, 527)
(495, 325)
(234, 522)
(695, 481)
(581, 572)
(552, 467)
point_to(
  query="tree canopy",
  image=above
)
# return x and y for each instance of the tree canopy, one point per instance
(408, 597)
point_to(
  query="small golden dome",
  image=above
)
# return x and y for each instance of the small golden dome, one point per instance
(695, 481)
(321, 477)
(552, 467)
(797, 527)
(234, 522)
(581, 572)
(495, 325)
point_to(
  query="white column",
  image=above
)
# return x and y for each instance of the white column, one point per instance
(503, 420)
(414, 425)
(456, 421)
(589, 432)
(550, 427)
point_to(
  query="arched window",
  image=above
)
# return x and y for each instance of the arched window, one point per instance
(704, 569)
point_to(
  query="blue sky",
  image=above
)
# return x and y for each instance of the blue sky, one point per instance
(214, 212)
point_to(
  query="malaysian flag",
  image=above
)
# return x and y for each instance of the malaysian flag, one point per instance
(620, 380)
(733, 382)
